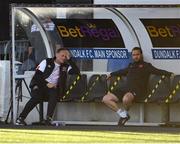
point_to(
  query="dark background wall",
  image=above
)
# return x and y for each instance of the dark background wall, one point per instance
(5, 10)
(4, 20)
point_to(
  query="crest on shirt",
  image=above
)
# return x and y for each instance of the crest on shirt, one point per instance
(141, 66)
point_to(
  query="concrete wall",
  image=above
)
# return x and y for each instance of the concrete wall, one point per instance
(147, 113)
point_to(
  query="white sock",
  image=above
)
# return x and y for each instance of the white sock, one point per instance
(122, 113)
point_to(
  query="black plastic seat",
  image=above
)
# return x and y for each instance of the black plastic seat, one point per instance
(158, 88)
(76, 87)
(97, 88)
(117, 84)
(174, 95)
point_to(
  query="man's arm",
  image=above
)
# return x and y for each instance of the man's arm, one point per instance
(38, 76)
(74, 69)
(154, 70)
(41, 82)
(120, 72)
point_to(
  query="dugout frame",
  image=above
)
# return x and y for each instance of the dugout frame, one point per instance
(45, 38)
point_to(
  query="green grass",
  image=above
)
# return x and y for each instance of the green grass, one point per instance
(67, 136)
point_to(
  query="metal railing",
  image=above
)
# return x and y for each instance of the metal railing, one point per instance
(5, 49)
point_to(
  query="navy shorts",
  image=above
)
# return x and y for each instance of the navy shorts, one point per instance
(120, 93)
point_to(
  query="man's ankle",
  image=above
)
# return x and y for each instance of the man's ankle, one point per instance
(122, 113)
(48, 118)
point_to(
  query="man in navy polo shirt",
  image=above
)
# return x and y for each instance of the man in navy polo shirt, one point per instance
(137, 73)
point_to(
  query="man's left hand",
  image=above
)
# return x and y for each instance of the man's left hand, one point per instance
(68, 55)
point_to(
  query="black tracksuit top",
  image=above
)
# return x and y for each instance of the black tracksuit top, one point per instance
(138, 74)
(39, 77)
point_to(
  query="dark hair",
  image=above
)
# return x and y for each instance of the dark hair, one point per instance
(61, 49)
(137, 48)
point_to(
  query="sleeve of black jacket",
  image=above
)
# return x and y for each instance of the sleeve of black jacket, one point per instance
(74, 69)
(120, 72)
(154, 70)
(41, 82)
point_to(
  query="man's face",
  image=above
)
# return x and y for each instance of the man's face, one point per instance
(61, 56)
(136, 55)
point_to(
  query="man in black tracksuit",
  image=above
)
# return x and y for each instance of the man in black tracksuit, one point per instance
(48, 83)
(137, 74)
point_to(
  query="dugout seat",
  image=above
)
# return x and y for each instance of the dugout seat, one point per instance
(175, 89)
(76, 87)
(97, 88)
(159, 88)
(116, 84)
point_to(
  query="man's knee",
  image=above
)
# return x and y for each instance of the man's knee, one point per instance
(128, 98)
(109, 97)
(105, 98)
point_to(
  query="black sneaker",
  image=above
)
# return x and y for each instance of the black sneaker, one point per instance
(48, 122)
(20, 121)
(122, 120)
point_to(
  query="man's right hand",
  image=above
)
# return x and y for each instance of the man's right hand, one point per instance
(108, 77)
(50, 85)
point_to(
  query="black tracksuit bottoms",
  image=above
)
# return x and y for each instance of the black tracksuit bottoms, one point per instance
(39, 96)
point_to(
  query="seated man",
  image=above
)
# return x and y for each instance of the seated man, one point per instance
(29, 61)
(49, 82)
(137, 74)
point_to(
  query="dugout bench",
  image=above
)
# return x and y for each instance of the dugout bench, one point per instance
(82, 104)
(162, 91)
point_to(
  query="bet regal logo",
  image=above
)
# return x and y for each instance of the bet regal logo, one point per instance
(88, 30)
(166, 31)
(89, 33)
(163, 32)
